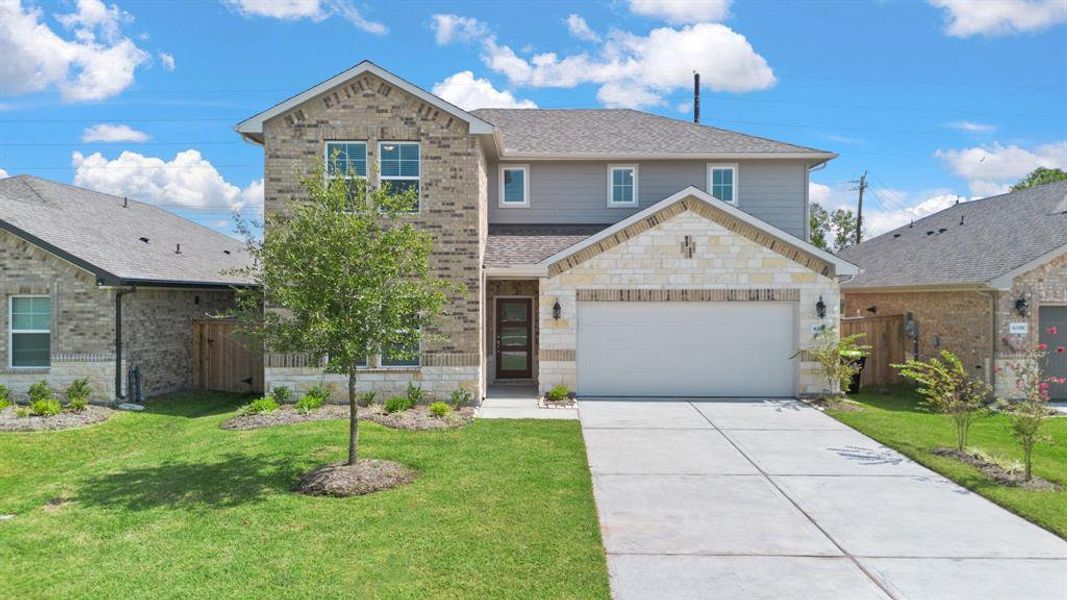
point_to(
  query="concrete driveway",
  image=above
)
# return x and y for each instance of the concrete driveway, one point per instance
(773, 499)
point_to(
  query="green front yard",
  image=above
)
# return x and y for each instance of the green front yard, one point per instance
(898, 421)
(165, 504)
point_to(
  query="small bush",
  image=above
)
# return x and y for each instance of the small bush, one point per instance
(282, 394)
(415, 395)
(45, 407)
(308, 403)
(22, 411)
(440, 409)
(78, 394)
(365, 399)
(259, 406)
(559, 393)
(41, 391)
(461, 397)
(320, 391)
(398, 404)
(5, 397)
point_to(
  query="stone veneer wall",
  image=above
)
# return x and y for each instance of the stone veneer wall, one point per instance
(495, 289)
(452, 207)
(653, 260)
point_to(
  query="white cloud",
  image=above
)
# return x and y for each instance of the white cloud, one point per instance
(637, 71)
(884, 210)
(684, 107)
(314, 10)
(187, 181)
(972, 127)
(965, 18)
(468, 93)
(580, 29)
(113, 132)
(682, 11)
(450, 28)
(167, 60)
(94, 64)
(3, 174)
(877, 222)
(992, 169)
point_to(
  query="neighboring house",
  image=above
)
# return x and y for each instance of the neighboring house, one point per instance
(611, 251)
(982, 279)
(75, 264)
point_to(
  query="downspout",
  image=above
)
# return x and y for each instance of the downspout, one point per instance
(119, 293)
(993, 340)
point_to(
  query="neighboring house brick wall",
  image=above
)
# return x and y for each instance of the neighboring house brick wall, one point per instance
(723, 260)
(1045, 285)
(453, 205)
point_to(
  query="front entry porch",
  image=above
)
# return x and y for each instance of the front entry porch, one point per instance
(511, 332)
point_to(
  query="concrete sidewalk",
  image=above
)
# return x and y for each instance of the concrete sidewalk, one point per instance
(519, 402)
(773, 499)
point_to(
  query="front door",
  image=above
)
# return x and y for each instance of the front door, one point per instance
(514, 338)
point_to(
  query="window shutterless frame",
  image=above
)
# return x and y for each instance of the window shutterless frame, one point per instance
(33, 329)
(618, 187)
(408, 171)
(718, 186)
(332, 155)
(402, 363)
(507, 187)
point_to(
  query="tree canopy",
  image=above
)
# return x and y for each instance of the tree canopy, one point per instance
(1040, 176)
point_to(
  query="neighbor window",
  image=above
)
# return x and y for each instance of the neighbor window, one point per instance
(399, 164)
(30, 326)
(514, 185)
(410, 358)
(622, 185)
(722, 182)
(348, 161)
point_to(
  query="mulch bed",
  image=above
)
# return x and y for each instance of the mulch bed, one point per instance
(416, 419)
(836, 404)
(996, 472)
(365, 477)
(64, 420)
(545, 402)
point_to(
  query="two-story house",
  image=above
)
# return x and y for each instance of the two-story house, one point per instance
(616, 252)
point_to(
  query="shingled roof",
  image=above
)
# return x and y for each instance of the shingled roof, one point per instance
(122, 242)
(510, 245)
(971, 243)
(528, 132)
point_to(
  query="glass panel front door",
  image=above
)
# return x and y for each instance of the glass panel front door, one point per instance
(514, 338)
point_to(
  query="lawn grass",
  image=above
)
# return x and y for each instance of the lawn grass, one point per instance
(899, 421)
(165, 504)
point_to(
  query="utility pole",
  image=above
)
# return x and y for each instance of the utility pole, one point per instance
(696, 97)
(859, 206)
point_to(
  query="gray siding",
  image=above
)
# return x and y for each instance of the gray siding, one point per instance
(774, 191)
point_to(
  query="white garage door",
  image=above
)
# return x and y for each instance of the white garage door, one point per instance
(685, 349)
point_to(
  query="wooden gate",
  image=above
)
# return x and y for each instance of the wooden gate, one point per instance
(885, 336)
(224, 361)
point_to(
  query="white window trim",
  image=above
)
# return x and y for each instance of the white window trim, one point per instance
(611, 171)
(326, 156)
(383, 178)
(418, 358)
(11, 331)
(736, 168)
(525, 187)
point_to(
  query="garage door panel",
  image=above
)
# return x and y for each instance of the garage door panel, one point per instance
(685, 349)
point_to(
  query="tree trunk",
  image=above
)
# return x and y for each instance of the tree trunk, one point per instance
(353, 415)
(1027, 454)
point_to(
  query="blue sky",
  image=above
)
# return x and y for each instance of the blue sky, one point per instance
(937, 100)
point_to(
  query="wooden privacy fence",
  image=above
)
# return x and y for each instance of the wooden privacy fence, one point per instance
(885, 336)
(224, 361)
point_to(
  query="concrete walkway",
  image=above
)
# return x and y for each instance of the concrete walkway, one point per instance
(519, 402)
(773, 499)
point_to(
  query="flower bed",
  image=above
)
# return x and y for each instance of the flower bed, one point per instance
(67, 419)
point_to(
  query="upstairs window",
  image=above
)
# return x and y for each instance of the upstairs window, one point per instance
(399, 164)
(347, 160)
(514, 186)
(30, 326)
(622, 185)
(722, 182)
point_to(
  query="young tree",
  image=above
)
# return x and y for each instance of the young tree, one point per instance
(1029, 413)
(837, 358)
(1040, 176)
(343, 275)
(831, 230)
(947, 389)
(819, 226)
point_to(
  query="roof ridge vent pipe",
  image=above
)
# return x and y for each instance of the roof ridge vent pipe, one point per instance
(178, 250)
(125, 202)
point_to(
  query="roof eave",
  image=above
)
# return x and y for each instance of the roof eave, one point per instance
(847, 288)
(528, 271)
(821, 157)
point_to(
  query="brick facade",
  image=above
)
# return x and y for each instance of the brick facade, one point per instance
(157, 325)
(452, 207)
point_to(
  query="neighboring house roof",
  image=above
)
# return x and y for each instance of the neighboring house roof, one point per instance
(529, 244)
(252, 127)
(527, 133)
(103, 234)
(985, 243)
(541, 250)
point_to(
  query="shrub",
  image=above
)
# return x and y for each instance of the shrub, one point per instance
(461, 397)
(320, 391)
(259, 406)
(440, 409)
(398, 404)
(365, 398)
(45, 407)
(282, 394)
(78, 394)
(307, 403)
(22, 411)
(414, 395)
(559, 393)
(41, 391)
(837, 358)
(947, 389)
(5, 397)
